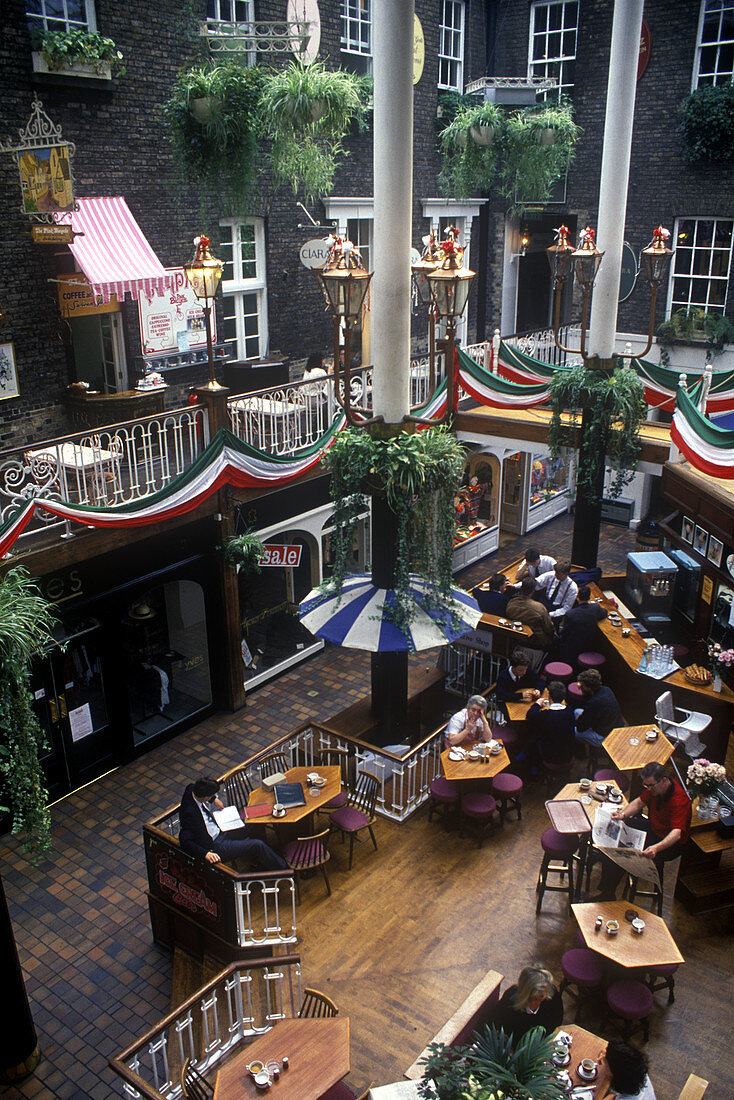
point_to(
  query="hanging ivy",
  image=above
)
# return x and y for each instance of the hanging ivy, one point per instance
(244, 552)
(419, 475)
(614, 403)
(26, 622)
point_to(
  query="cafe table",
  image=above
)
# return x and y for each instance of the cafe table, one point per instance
(573, 810)
(630, 750)
(457, 770)
(573, 792)
(654, 947)
(587, 1045)
(261, 796)
(317, 1050)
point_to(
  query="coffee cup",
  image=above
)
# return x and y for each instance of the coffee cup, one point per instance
(612, 927)
(588, 1065)
(602, 788)
(256, 1067)
(614, 795)
(584, 784)
(278, 810)
(638, 926)
(651, 735)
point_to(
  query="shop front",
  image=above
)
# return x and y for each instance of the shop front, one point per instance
(477, 510)
(534, 490)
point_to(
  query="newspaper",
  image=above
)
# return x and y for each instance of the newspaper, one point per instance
(623, 844)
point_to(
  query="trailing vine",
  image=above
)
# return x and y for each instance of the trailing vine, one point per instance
(419, 475)
(26, 622)
(614, 404)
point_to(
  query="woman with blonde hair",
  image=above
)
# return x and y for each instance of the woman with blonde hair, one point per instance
(533, 1002)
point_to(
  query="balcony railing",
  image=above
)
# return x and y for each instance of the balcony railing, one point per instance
(541, 344)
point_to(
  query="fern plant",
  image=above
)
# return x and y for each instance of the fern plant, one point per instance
(244, 552)
(490, 1067)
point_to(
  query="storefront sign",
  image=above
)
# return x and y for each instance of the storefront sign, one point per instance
(645, 44)
(44, 162)
(315, 253)
(76, 298)
(52, 234)
(419, 49)
(628, 273)
(59, 587)
(172, 321)
(280, 555)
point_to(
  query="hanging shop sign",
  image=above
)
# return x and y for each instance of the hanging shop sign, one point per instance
(305, 12)
(44, 162)
(77, 300)
(315, 253)
(172, 321)
(52, 234)
(419, 49)
(628, 272)
(280, 555)
(645, 45)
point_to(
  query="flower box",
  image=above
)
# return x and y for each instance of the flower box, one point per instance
(100, 70)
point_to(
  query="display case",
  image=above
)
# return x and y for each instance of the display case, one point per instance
(687, 584)
(548, 489)
(650, 587)
(476, 506)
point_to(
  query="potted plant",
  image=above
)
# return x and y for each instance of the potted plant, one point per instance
(470, 145)
(77, 53)
(244, 552)
(707, 126)
(307, 111)
(695, 326)
(704, 778)
(213, 119)
(538, 150)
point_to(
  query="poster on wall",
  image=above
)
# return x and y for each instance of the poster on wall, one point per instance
(8, 373)
(172, 321)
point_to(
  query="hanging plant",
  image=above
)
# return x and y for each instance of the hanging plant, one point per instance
(470, 165)
(538, 150)
(695, 326)
(26, 622)
(419, 475)
(708, 124)
(217, 143)
(244, 552)
(307, 111)
(614, 406)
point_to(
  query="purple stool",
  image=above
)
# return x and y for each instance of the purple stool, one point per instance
(581, 968)
(508, 735)
(507, 789)
(661, 977)
(611, 773)
(574, 691)
(591, 660)
(632, 1001)
(478, 808)
(558, 670)
(558, 849)
(444, 796)
(556, 774)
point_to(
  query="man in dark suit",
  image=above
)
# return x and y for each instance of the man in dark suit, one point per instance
(494, 599)
(579, 633)
(551, 727)
(599, 712)
(201, 837)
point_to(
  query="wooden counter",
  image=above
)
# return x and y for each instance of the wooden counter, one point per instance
(96, 410)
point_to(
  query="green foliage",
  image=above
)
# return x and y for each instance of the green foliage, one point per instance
(693, 326)
(469, 167)
(245, 551)
(222, 151)
(26, 622)
(708, 124)
(614, 406)
(307, 111)
(418, 475)
(61, 49)
(489, 1067)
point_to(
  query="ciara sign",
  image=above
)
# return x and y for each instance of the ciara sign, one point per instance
(281, 555)
(314, 253)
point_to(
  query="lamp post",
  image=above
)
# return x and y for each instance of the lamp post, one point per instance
(450, 284)
(204, 273)
(420, 271)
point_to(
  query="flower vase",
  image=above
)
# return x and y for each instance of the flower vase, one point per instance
(717, 682)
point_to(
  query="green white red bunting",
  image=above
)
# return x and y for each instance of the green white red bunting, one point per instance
(706, 446)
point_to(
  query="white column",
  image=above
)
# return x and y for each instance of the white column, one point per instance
(621, 87)
(393, 170)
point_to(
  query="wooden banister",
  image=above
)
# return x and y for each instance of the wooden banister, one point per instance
(473, 1013)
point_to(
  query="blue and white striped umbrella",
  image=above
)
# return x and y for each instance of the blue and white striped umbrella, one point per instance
(357, 618)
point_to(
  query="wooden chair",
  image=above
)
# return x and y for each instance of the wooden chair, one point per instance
(269, 765)
(308, 853)
(332, 758)
(194, 1085)
(359, 812)
(316, 1004)
(237, 788)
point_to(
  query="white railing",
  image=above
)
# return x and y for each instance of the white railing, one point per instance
(541, 344)
(104, 466)
(470, 671)
(268, 905)
(240, 1003)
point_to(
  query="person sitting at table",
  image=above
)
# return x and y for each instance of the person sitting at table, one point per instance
(517, 682)
(534, 565)
(556, 590)
(525, 609)
(628, 1068)
(551, 727)
(533, 1002)
(667, 826)
(493, 601)
(599, 712)
(202, 838)
(579, 628)
(469, 724)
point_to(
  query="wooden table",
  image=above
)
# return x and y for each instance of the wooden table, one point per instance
(504, 625)
(655, 947)
(474, 769)
(629, 757)
(332, 787)
(318, 1051)
(587, 1045)
(573, 791)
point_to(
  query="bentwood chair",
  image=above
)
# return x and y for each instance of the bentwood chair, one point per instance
(316, 1004)
(359, 812)
(333, 758)
(269, 765)
(194, 1085)
(237, 788)
(308, 853)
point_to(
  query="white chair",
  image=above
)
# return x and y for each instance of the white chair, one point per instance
(681, 726)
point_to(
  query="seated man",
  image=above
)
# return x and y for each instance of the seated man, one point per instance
(527, 610)
(551, 726)
(494, 600)
(599, 712)
(535, 565)
(517, 681)
(201, 837)
(579, 633)
(556, 590)
(469, 724)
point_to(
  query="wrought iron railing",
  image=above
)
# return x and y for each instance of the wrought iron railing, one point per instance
(290, 36)
(542, 345)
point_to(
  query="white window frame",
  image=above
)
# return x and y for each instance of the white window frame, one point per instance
(244, 12)
(540, 66)
(451, 26)
(356, 15)
(677, 303)
(713, 7)
(40, 22)
(239, 286)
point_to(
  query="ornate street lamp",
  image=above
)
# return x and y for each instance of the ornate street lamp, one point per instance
(344, 283)
(584, 262)
(429, 261)
(204, 273)
(450, 284)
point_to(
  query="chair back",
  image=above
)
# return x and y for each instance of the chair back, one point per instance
(194, 1085)
(269, 765)
(309, 851)
(664, 710)
(363, 796)
(317, 1004)
(331, 758)
(237, 788)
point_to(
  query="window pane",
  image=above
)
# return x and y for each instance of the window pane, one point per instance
(717, 294)
(681, 290)
(722, 235)
(704, 234)
(701, 262)
(698, 292)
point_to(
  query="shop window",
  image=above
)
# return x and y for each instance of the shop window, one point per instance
(244, 289)
(699, 275)
(356, 38)
(548, 478)
(451, 45)
(715, 45)
(512, 482)
(360, 557)
(552, 53)
(60, 15)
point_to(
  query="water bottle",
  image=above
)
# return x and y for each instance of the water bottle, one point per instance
(644, 660)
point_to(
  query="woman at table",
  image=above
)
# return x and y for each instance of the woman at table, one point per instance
(533, 1002)
(628, 1069)
(469, 724)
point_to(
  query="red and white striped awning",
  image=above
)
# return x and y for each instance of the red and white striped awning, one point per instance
(113, 252)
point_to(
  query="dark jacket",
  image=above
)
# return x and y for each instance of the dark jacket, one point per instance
(554, 732)
(193, 836)
(579, 632)
(507, 690)
(492, 603)
(601, 713)
(516, 1021)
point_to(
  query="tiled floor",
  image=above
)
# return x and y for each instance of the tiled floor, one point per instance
(94, 978)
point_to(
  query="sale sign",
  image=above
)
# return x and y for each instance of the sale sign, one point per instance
(279, 554)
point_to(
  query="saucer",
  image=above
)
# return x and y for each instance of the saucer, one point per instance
(587, 1076)
(313, 777)
(279, 813)
(474, 755)
(562, 1060)
(586, 799)
(634, 740)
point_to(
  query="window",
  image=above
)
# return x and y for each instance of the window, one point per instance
(701, 264)
(359, 232)
(245, 303)
(451, 45)
(356, 38)
(228, 11)
(553, 27)
(60, 15)
(715, 49)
